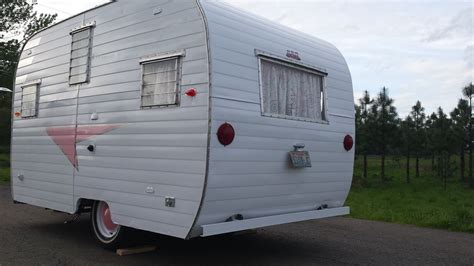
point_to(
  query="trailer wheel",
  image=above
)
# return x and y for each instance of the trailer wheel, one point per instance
(110, 235)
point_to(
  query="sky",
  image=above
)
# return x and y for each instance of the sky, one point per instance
(421, 50)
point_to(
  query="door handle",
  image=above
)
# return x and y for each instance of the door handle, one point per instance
(91, 148)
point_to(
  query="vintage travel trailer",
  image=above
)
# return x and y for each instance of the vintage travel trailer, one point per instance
(184, 118)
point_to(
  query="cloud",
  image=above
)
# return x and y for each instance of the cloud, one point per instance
(469, 56)
(459, 25)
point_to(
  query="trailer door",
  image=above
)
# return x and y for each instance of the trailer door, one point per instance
(43, 144)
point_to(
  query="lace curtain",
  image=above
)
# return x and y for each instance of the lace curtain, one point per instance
(291, 92)
(160, 83)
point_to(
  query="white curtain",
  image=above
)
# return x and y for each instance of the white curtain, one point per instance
(160, 83)
(291, 92)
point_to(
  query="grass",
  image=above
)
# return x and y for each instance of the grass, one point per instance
(4, 168)
(423, 202)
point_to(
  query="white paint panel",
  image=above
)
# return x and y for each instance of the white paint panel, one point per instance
(138, 188)
(243, 180)
(168, 178)
(253, 176)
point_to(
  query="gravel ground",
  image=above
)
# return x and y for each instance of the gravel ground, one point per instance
(33, 236)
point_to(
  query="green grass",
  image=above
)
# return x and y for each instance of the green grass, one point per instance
(4, 168)
(423, 202)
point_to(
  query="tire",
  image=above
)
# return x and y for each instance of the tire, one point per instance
(111, 236)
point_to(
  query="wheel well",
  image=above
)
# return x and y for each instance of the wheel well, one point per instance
(84, 205)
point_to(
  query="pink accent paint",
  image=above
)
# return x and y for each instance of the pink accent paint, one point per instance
(107, 218)
(66, 138)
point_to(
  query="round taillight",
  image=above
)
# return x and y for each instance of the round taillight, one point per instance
(226, 134)
(348, 142)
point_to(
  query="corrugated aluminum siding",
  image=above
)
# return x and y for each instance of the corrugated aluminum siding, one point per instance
(163, 148)
(252, 176)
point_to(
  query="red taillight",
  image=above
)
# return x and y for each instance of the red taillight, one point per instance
(348, 142)
(226, 134)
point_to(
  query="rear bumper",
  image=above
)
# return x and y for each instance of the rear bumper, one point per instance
(227, 227)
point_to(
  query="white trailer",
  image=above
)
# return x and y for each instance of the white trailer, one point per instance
(184, 118)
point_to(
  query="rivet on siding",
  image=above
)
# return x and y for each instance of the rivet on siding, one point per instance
(157, 11)
(94, 116)
(21, 177)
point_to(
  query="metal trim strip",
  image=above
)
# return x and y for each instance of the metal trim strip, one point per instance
(227, 227)
(164, 56)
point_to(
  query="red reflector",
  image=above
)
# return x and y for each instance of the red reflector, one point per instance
(348, 142)
(191, 92)
(226, 134)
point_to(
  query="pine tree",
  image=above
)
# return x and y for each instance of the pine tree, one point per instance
(468, 92)
(443, 138)
(429, 138)
(384, 126)
(460, 117)
(365, 123)
(418, 117)
(407, 128)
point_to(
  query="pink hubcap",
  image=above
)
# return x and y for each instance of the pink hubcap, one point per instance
(109, 224)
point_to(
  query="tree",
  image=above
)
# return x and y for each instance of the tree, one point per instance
(18, 22)
(407, 128)
(460, 117)
(443, 138)
(468, 92)
(418, 117)
(384, 126)
(429, 138)
(364, 127)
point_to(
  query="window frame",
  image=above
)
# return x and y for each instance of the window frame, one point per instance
(36, 84)
(178, 55)
(301, 67)
(87, 27)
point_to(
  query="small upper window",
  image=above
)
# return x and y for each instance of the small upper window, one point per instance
(29, 100)
(80, 56)
(292, 91)
(160, 82)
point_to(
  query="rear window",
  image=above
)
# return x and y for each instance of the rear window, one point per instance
(291, 91)
(160, 82)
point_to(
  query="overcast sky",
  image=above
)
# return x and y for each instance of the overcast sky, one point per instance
(418, 49)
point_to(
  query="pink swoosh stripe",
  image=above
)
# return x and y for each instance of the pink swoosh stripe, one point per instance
(66, 139)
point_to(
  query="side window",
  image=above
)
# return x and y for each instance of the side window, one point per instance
(80, 55)
(29, 100)
(292, 91)
(160, 82)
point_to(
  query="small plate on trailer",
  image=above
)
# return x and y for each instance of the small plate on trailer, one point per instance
(300, 159)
